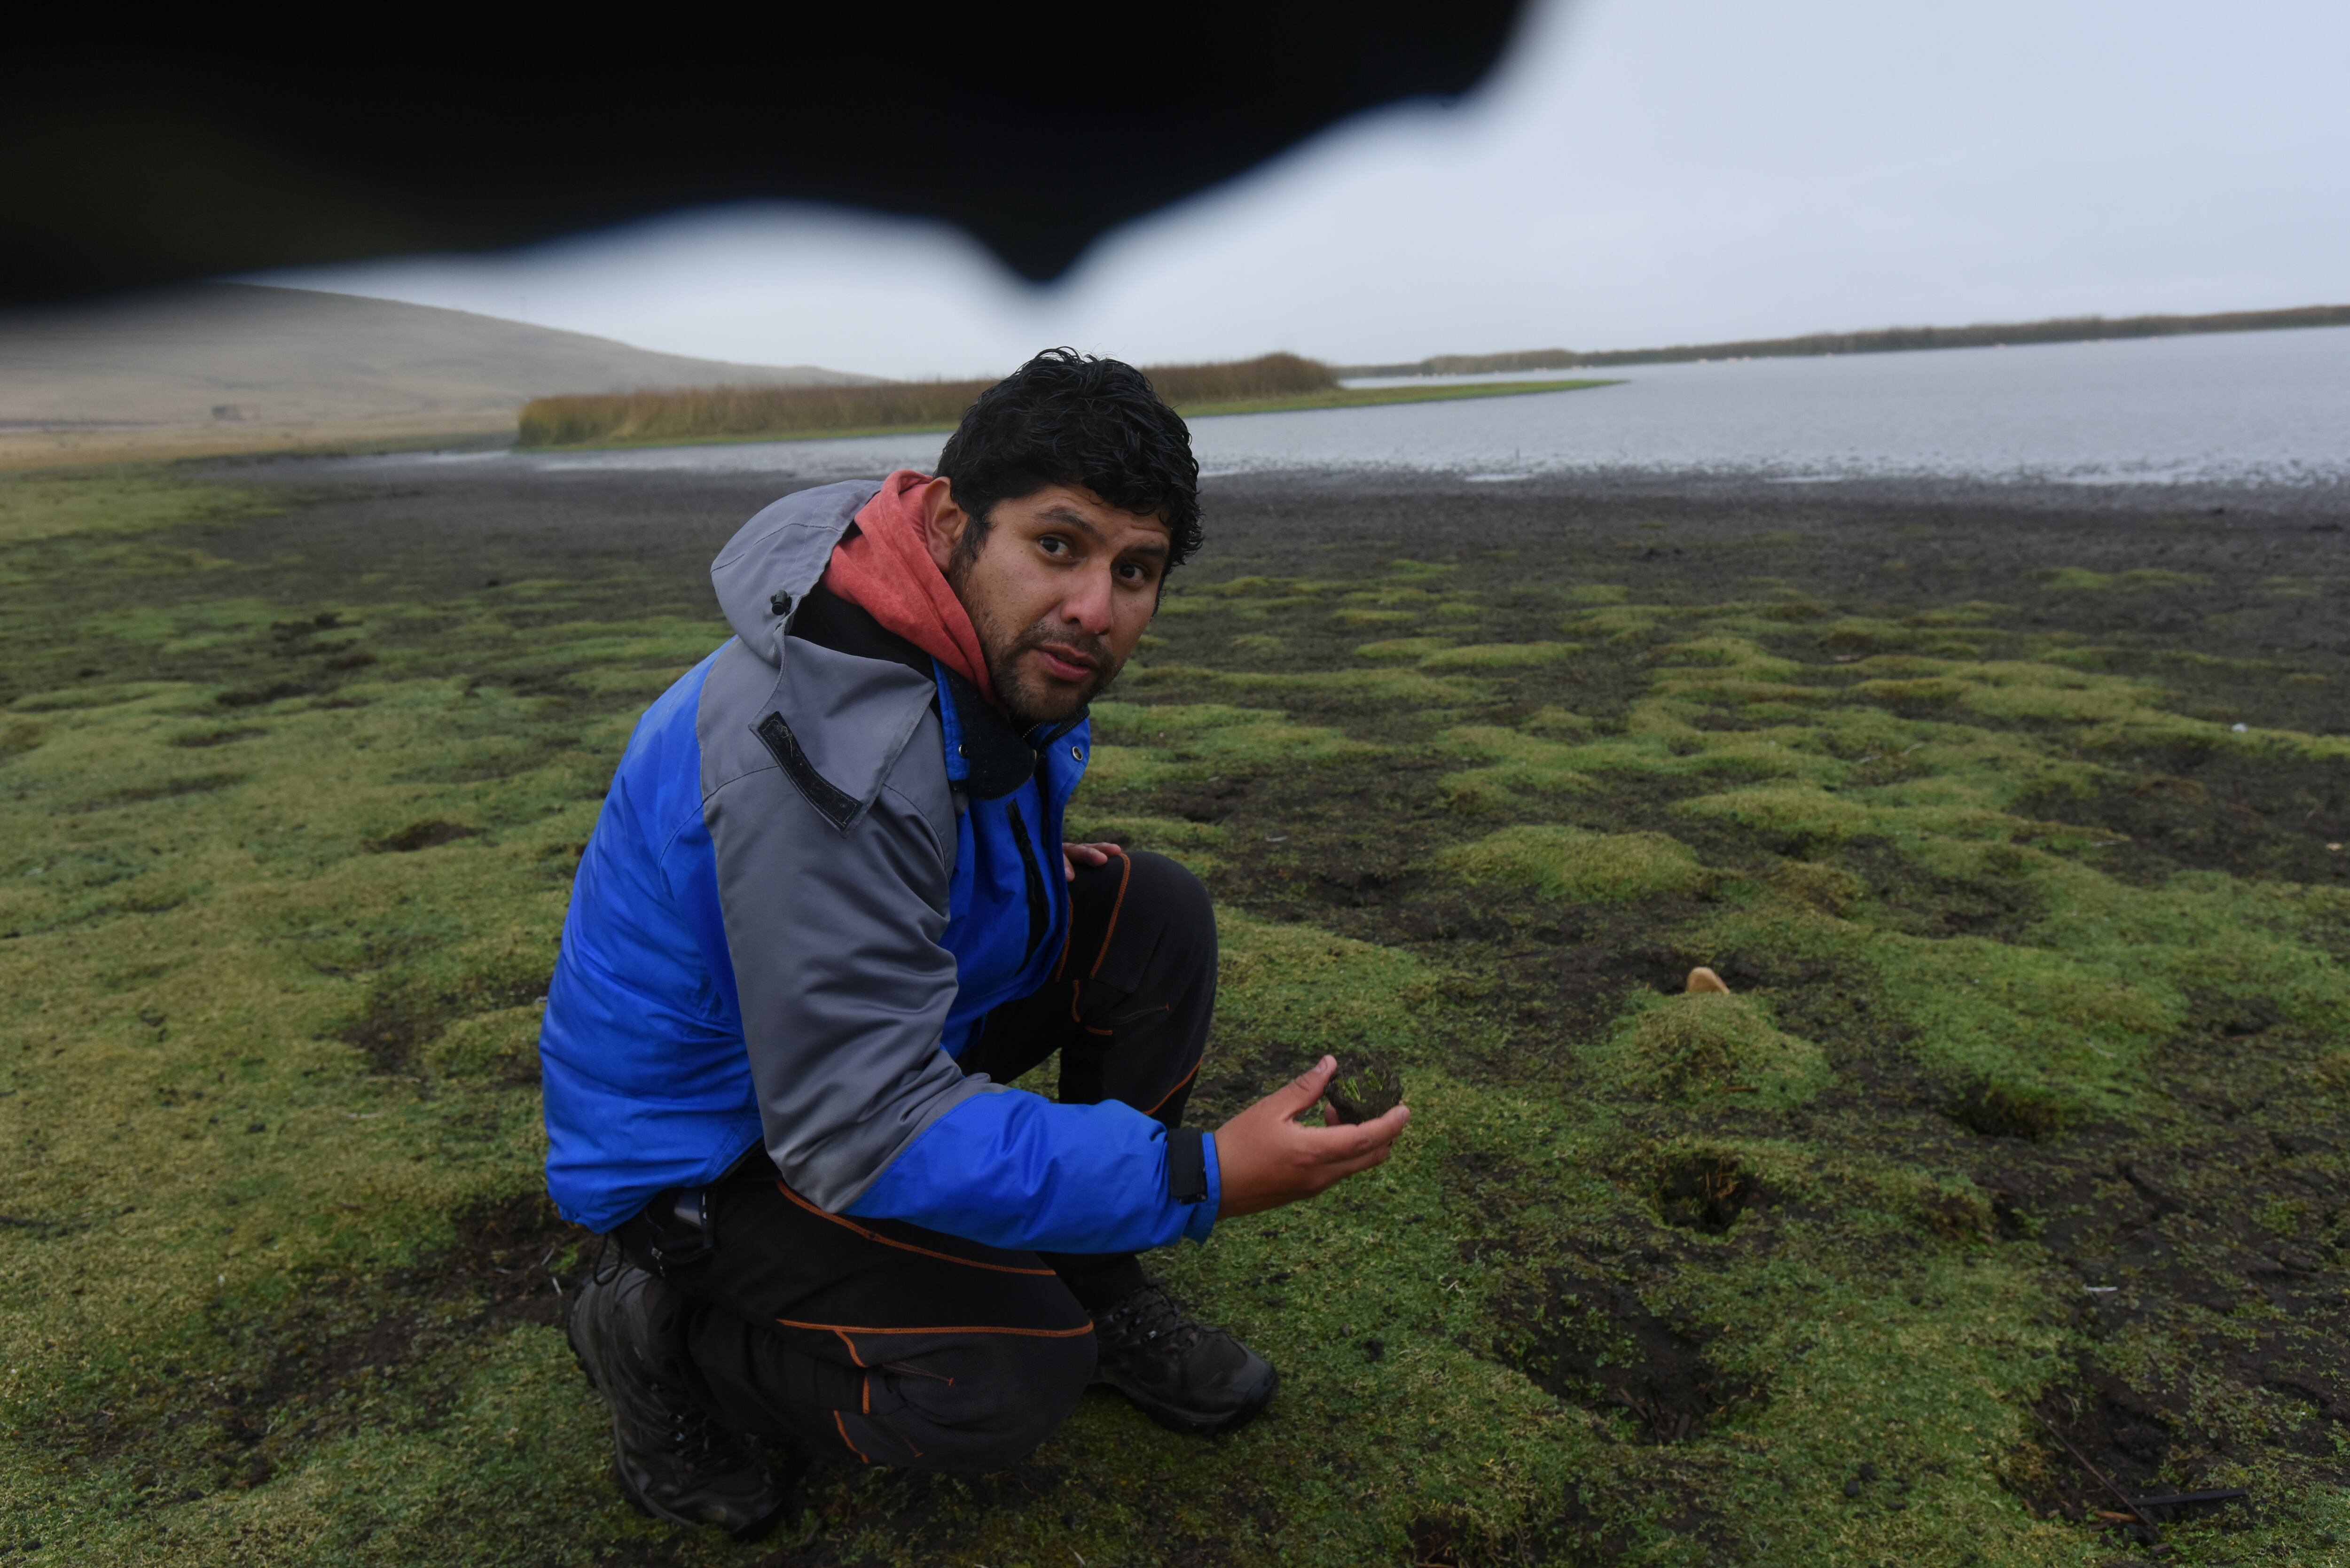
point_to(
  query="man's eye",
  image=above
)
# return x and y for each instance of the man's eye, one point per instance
(1053, 544)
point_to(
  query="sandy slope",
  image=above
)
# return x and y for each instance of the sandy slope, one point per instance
(226, 366)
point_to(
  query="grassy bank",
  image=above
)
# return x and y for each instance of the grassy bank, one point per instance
(1274, 383)
(749, 413)
(49, 449)
(2032, 1104)
(1882, 340)
(1373, 397)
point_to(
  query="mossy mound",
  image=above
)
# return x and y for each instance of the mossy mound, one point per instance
(501, 1046)
(1499, 656)
(1830, 889)
(1563, 862)
(1408, 649)
(1709, 1044)
(1160, 833)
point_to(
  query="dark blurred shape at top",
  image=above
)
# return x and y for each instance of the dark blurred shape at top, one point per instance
(226, 139)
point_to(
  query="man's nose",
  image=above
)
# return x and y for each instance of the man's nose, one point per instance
(1091, 604)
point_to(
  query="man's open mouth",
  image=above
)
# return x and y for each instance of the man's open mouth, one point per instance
(1065, 663)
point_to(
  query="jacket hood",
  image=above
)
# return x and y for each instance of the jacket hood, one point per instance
(772, 561)
(886, 569)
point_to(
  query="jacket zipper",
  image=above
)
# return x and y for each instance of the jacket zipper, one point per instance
(1039, 907)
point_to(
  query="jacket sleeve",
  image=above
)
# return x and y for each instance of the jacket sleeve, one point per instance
(832, 940)
(1016, 1170)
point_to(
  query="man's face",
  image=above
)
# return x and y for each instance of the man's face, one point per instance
(1059, 593)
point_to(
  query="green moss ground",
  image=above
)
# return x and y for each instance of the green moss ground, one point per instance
(2031, 1106)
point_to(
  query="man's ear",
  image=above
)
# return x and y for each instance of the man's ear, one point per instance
(943, 523)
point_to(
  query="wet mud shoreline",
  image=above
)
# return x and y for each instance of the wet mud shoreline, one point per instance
(1913, 543)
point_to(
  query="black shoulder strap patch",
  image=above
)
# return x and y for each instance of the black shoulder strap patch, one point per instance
(833, 804)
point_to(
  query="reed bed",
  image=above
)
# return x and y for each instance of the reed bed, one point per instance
(1242, 380)
(1885, 341)
(720, 413)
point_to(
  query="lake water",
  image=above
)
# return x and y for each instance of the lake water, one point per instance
(2255, 409)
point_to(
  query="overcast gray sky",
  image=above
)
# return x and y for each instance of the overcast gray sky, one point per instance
(1640, 172)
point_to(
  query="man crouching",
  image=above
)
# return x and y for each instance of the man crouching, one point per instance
(817, 931)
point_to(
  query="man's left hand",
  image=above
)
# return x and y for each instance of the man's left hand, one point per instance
(1075, 855)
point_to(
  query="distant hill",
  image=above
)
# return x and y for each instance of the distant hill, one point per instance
(222, 367)
(1884, 340)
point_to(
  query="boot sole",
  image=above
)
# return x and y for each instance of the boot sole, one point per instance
(1193, 1423)
(754, 1531)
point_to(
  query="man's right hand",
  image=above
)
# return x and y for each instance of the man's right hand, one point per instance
(1266, 1157)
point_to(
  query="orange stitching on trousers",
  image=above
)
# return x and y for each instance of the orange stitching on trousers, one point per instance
(1085, 1327)
(1124, 875)
(853, 1449)
(904, 1246)
(1171, 1092)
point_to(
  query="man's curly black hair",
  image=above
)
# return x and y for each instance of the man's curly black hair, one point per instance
(1066, 417)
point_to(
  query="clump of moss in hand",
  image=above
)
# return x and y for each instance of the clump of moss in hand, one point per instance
(1364, 1090)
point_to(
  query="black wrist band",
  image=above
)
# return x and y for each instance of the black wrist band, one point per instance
(1187, 1165)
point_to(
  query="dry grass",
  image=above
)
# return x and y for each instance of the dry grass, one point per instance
(38, 448)
(1240, 380)
(1884, 340)
(713, 413)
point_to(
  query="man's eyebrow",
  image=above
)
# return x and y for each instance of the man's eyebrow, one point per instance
(1084, 524)
(1075, 519)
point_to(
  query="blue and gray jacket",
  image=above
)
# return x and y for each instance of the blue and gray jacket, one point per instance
(822, 861)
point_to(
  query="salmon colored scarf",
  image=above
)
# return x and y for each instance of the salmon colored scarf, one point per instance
(884, 568)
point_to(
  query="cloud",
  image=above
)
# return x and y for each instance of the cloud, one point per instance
(1642, 172)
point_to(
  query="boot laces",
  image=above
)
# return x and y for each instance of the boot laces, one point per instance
(1147, 1319)
(692, 1437)
(696, 1439)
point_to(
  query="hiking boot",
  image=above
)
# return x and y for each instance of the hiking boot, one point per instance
(673, 1461)
(1185, 1376)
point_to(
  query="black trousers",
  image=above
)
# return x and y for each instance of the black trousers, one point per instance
(905, 1345)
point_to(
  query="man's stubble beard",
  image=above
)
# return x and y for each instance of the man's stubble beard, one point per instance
(1030, 702)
